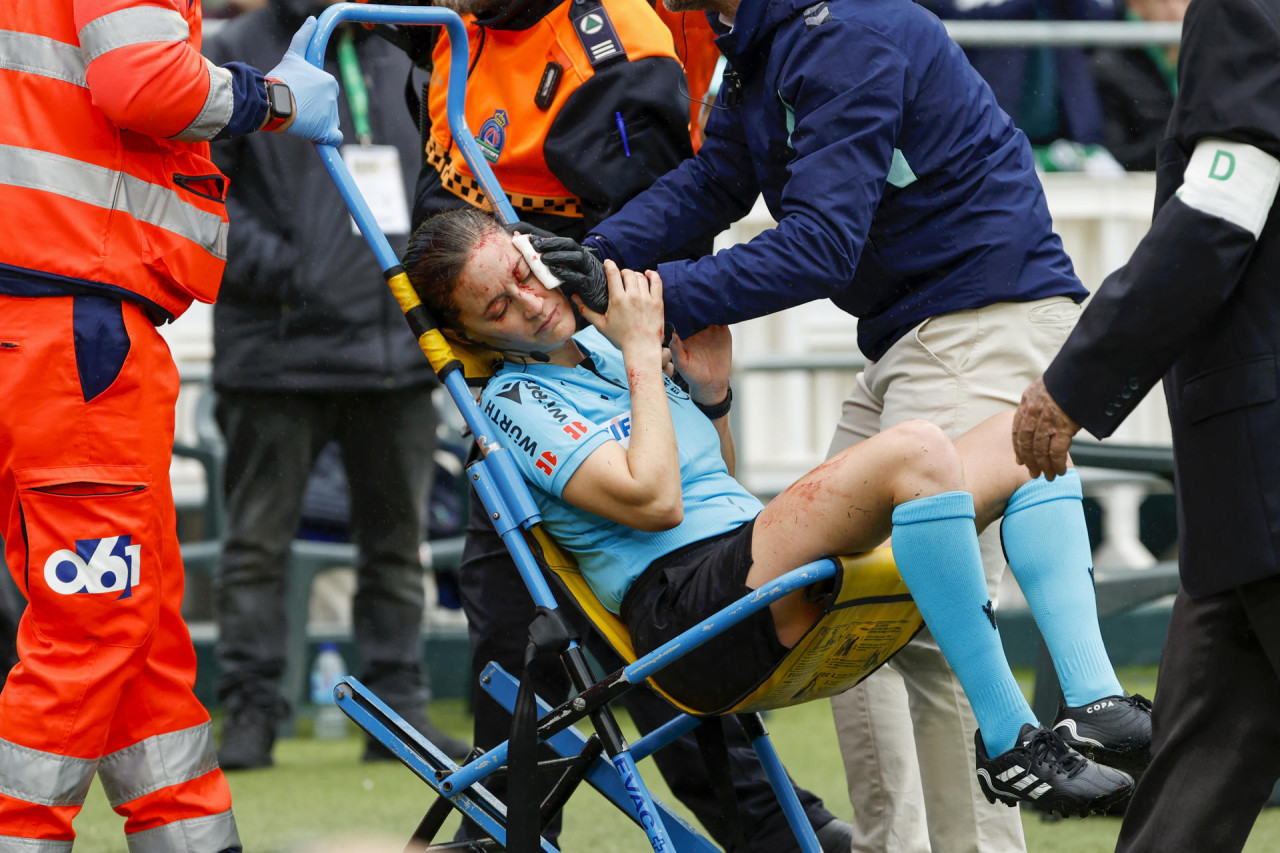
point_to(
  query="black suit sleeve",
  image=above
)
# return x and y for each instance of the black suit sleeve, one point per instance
(1228, 76)
(1146, 313)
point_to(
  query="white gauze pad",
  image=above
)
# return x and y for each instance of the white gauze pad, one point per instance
(524, 245)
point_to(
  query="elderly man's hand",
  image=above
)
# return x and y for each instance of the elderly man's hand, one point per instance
(1042, 432)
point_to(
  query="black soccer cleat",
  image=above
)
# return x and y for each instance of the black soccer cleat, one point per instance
(1043, 771)
(1115, 731)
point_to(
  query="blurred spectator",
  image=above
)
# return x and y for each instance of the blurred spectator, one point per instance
(1137, 86)
(1048, 92)
(311, 348)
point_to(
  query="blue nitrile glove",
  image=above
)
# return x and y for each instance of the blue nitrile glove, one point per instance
(315, 92)
(578, 267)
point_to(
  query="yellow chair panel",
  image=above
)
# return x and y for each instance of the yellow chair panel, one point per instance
(868, 615)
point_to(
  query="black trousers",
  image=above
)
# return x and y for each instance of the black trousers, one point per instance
(499, 610)
(387, 440)
(1216, 727)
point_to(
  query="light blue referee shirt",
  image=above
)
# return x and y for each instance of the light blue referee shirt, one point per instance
(552, 418)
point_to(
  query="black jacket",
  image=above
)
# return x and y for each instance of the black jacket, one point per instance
(1136, 103)
(590, 163)
(1199, 305)
(303, 304)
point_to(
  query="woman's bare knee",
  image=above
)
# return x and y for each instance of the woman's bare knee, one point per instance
(928, 462)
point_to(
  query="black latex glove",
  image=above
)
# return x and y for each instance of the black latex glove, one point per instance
(578, 267)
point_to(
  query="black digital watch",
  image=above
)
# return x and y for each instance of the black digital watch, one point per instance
(279, 105)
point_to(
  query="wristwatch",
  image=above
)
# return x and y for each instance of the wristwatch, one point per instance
(279, 105)
(719, 410)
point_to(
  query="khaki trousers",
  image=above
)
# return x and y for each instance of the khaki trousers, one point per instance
(906, 733)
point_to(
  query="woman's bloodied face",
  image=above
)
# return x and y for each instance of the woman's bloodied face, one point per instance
(501, 302)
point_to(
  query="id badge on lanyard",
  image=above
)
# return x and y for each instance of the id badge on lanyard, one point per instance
(374, 168)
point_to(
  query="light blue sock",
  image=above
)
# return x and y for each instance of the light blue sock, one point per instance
(936, 548)
(1047, 546)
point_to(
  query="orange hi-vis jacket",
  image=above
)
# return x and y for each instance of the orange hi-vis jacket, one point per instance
(696, 47)
(519, 82)
(105, 178)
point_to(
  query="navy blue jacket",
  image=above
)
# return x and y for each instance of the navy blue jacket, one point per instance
(901, 189)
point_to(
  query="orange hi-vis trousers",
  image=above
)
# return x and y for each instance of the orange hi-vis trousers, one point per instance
(104, 682)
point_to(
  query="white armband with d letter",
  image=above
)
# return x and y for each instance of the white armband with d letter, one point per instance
(1233, 181)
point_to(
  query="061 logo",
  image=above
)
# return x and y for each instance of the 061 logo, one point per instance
(110, 564)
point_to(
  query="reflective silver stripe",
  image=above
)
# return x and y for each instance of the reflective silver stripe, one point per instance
(135, 25)
(157, 762)
(101, 187)
(40, 55)
(217, 109)
(13, 844)
(43, 777)
(211, 834)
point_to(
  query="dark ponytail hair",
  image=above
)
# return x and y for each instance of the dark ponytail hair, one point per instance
(438, 252)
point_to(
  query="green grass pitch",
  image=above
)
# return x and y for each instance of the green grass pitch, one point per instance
(319, 797)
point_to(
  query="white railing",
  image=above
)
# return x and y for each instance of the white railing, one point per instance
(1063, 33)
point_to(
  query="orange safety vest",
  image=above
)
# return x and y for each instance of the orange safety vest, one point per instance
(504, 111)
(696, 47)
(105, 174)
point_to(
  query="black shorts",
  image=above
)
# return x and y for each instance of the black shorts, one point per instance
(686, 586)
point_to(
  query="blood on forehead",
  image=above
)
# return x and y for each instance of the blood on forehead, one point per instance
(490, 246)
(486, 239)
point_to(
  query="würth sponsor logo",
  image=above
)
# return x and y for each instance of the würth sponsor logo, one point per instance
(517, 390)
(512, 430)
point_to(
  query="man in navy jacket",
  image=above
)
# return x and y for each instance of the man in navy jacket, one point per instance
(901, 189)
(1198, 305)
(904, 194)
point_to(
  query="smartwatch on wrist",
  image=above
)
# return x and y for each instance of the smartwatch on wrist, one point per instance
(279, 105)
(719, 410)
